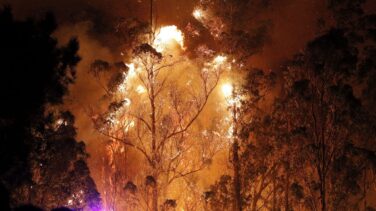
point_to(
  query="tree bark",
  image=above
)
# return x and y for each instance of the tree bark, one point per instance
(155, 197)
(154, 153)
(236, 164)
(237, 185)
(323, 195)
(155, 158)
(274, 208)
(287, 189)
(365, 189)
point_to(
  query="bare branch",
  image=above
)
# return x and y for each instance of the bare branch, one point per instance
(127, 143)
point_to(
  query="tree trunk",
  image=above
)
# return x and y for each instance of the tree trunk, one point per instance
(255, 200)
(323, 196)
(154, 153)
(236, 164)
(155, 158)
(274, 208)
(323, 178)
(365, 189)
(155, 197)
(237, 185)
(287, 189)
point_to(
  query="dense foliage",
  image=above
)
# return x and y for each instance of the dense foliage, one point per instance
(314, 148)
(40, 160)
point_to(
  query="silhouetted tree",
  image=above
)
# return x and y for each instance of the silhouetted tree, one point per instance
(234, 24)
(4, 195)
(315, 148)
(35, 75)
(28, 208)
(61, 209)
(322, 116)
(60, 175)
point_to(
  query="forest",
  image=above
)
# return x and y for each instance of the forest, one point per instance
(191, 105)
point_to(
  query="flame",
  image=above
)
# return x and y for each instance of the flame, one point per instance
(166, 39)
(218, 60)
(129, 124)
(127, 102)
(198, 14)
(231, 98)
(227, 89)
(132, 69)
(140, 89)
(167, 35)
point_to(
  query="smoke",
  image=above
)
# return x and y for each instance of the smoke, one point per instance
(294, 22)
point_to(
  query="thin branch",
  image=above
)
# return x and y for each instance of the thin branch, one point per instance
(196, 115)
(127, 143)
(142, 120)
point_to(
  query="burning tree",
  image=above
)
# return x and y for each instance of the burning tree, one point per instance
(154, 108)
(113, 173)
(241, 35)
(254, 160)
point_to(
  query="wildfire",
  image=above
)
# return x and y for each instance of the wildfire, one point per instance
(166, 36)
(140, 89)
(132, 70)
(168, 40)
(198, 14)
(231, 98)
(227, 90)
(219, 60)
(129, 124)
(127, 102)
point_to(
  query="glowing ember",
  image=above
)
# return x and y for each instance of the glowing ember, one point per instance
(220, 60)
(61, 122)
(167, 35)
(132, 70)
(121, 87)
(227, 90)
(130, 124)
(198, 13)
(140, 89)
(127, 102)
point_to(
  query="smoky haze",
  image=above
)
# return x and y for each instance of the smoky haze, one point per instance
(93, 23)
(291, 27)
